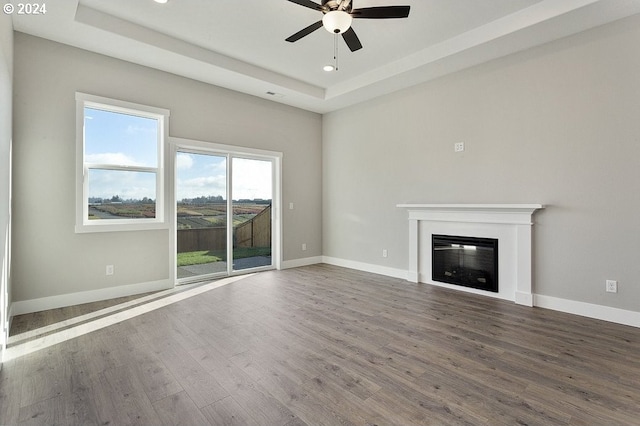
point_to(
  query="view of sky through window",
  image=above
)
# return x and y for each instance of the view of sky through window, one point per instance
(200, 175)
(122, 139)
(119, 139)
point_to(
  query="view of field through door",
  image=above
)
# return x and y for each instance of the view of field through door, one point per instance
(223, 214)
(252, 190)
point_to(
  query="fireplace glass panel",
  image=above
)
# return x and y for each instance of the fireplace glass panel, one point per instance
(466, 261)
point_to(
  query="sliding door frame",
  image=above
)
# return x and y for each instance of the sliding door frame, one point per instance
(229, 151)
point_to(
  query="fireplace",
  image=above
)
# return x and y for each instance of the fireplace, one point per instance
(466, 261)
(511, 224)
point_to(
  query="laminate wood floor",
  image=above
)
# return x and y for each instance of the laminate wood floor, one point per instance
(323, 345)
(28, 322)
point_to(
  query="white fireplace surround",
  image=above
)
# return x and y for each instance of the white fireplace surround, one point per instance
(510, 224)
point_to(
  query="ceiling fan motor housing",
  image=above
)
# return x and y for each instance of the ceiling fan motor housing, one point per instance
(337, 21)
(333, 5)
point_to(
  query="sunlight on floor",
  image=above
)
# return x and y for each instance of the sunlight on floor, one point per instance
(117, 314)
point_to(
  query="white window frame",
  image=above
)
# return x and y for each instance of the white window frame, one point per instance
(83, 224)
(228, 151)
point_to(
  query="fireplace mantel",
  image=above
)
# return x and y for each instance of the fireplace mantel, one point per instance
(509, 223)
(478, 213)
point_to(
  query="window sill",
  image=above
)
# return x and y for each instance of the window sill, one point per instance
(121, 227)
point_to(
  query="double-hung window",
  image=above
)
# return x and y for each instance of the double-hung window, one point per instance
(120, 171)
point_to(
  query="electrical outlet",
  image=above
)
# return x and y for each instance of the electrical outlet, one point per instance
(385, 253)
(458, 147)
(290, 206)
(612, 286)
(304, 246)
(109, 270)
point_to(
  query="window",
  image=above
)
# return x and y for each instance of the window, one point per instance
(120, 150)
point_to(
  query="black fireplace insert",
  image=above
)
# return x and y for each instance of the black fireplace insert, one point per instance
(466, 261)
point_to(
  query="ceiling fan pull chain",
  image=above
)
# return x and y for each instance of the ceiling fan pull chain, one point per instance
(335, 50)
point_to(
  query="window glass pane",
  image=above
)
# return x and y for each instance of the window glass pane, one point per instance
(120, 139)
(252, 179)
(201, 191)
(116, 194)
(252, 194)
(201, 178)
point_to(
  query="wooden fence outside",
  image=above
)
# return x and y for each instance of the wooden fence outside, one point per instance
(255, 232)
(252, 233)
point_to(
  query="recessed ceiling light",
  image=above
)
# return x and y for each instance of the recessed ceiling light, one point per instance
(329, 68)
(161, 1)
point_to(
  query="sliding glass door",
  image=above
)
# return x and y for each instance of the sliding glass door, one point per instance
(224, 214)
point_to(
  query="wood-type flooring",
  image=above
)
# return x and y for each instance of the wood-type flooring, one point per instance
(323, 345)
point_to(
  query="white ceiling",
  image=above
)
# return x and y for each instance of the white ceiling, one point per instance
(240, 44)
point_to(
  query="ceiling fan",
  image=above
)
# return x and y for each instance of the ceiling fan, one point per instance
(338, 15)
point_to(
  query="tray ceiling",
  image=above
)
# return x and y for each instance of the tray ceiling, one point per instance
(241, 44)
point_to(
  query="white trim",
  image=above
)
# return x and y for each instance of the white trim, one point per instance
(527, 208)
(508, 214)
(170, 162)
(509, 223)
(5, 262)
(276, 212)
(214, 147)
(229, 151)
(366, 267)
(10, 319)
(590, 310)
(524, 298)
(117, 104)
(72, 299)
(229, 222)
(305, 261)
(83, 224)
(121, 227)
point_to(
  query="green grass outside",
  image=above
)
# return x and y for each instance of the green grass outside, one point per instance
(211, 256)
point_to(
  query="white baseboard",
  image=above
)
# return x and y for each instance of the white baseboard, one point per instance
(366, 267)
(297, 263)
(9, 319)
(525, 299)
(71, 299)
(605, 313)
(590, 310)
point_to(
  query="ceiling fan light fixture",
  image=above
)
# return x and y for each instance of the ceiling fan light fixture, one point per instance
(337, 21)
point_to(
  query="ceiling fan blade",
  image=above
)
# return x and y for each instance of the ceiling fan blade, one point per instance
(352, 40)
(307, 3)
(305, 32)
(382, 12)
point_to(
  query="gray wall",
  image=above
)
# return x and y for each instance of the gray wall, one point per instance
(557, 125)
(6, 70)
(48, 257)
